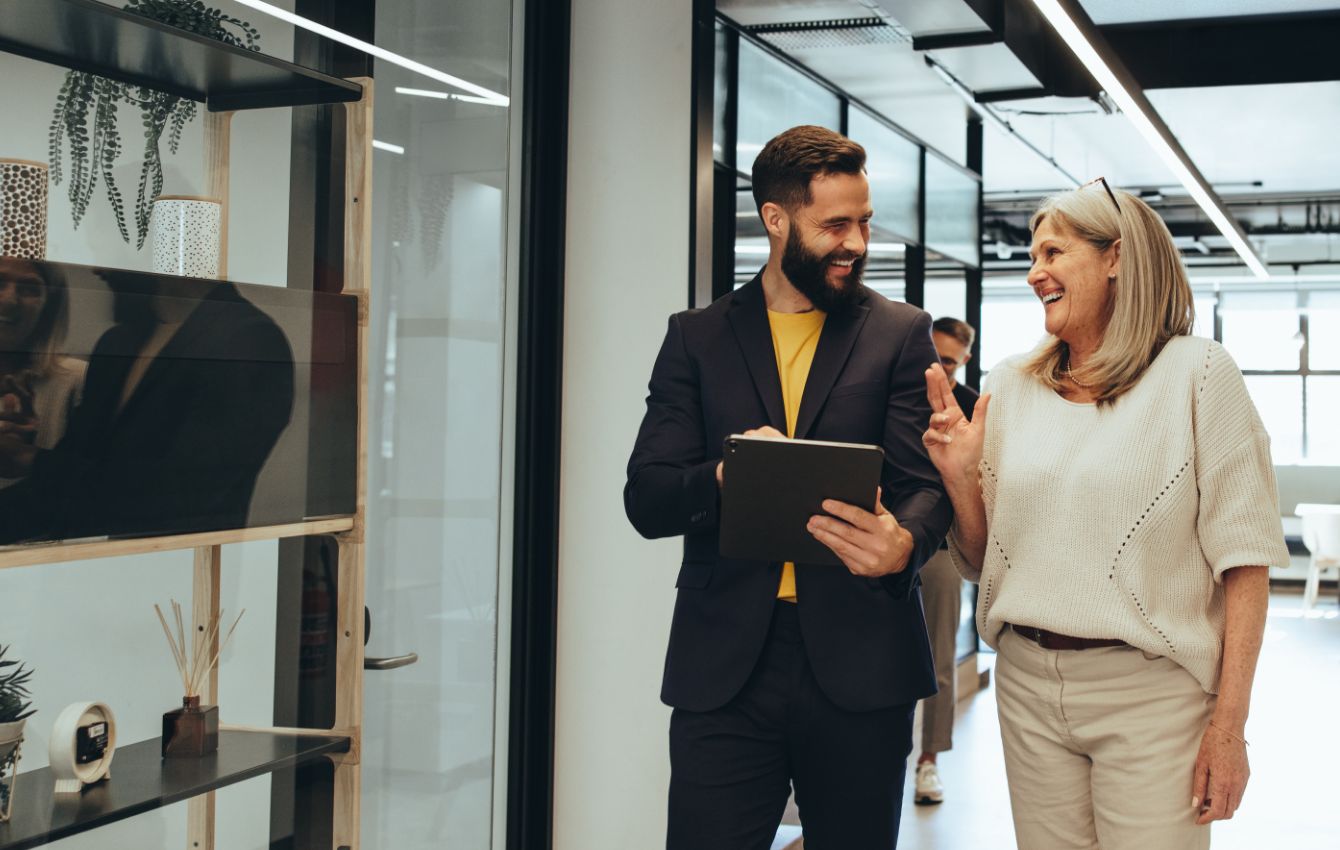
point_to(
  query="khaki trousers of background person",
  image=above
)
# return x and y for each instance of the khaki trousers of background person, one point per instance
(1099, 747)
(941, 593)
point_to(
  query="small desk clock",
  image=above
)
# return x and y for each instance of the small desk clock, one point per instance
(82, 742)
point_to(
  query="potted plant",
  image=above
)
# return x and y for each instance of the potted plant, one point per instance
(85, 117)
(15, 709)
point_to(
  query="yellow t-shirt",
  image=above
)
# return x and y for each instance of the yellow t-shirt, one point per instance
(795, 336)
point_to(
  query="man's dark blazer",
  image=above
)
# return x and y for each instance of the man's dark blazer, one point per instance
(184, 453)
(716, 375)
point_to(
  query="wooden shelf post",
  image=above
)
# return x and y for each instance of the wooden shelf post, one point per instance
(347, 801)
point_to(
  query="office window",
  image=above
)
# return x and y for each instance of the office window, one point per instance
(1261, 329)
(1204, 324)
(1323, 419)
(1010, 325)
(1279, 401)
(1323, 319)
(775, 97)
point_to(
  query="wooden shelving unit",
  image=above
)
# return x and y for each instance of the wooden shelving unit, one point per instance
(90, 36)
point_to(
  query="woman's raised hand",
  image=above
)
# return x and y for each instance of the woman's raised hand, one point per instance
(952, 440)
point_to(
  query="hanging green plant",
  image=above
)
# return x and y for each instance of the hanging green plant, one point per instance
(86, 113)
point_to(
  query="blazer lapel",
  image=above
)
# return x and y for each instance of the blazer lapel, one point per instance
(835, 345)
(748, 317)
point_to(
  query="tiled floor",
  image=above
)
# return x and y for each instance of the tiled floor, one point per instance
(1294, 795)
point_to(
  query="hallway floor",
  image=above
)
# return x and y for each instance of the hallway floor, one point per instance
(1290, 802)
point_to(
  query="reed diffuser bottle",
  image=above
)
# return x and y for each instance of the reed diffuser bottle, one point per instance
(193, 730)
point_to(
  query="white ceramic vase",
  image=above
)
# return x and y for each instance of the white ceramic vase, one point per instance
(185, 231)
(23, 209)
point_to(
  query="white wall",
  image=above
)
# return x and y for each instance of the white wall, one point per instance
(627, 270)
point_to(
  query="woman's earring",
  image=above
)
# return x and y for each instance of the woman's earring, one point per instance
(1111, 278)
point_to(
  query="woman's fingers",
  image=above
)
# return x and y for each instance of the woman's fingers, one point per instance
(933, 394)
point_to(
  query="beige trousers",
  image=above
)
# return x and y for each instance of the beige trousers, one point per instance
(941, 593)
(1099, 747)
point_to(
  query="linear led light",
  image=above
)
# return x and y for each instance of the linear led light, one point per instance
(387, 146)
(1157, 135)
(373, 50)
(442, 95)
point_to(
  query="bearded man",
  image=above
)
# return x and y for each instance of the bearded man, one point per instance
(799, 676)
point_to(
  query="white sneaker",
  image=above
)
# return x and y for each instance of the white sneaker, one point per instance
(929, 790)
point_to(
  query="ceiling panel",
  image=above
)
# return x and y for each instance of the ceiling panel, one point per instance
(987, 67)
(1284, 135)
(1132, 11)
(756, 12)
(920, 17)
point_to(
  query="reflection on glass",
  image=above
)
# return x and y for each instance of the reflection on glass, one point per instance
(893, 165)
(775, 97)
(1323, 331)
(1323, 419)
(39, 385)
(951, 211)
(153, 404)
(1278, 399)
(1260, 329)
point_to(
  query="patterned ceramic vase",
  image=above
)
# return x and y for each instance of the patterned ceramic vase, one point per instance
(186, 235)
(23, 209)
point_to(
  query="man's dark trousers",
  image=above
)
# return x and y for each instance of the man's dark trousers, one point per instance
(819, 693)
(732, 768)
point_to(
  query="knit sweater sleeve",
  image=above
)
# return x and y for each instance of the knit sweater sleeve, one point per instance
(1238, 522)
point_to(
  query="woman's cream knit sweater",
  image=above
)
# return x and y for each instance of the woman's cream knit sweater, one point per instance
(1120, 522)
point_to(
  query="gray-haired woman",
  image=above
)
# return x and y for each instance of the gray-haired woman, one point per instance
(1117, 506)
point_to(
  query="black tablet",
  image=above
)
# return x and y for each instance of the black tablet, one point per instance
(771, 488)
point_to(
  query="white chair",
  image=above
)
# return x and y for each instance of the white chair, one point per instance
(1321, 536)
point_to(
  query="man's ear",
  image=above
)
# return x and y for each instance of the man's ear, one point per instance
(775, 219)
(966, 358)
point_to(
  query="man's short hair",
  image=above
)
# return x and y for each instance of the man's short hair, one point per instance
(783, 170)
(957, 328)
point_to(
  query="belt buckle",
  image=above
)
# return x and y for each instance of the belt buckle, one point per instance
(1037, 636)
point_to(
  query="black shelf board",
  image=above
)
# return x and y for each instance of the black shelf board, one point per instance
(142, 781)
(90, 36)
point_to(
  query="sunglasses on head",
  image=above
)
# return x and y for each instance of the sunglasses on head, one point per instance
(1107, 188)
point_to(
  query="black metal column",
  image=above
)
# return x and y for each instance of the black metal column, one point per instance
(544, 130)
(972, 309)
(914, 259)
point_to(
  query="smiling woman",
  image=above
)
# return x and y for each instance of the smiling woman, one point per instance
(1125, 582)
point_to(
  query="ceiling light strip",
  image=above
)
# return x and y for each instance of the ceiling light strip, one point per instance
(373, 50)
(1151, 126)
(387, 146)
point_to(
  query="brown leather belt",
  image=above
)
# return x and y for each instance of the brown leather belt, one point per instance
(1051, 640)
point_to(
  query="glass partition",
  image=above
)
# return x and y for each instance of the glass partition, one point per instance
(774, 97)
(893, 164)
(951, 211)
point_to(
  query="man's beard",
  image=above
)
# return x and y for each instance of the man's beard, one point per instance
(808, 273)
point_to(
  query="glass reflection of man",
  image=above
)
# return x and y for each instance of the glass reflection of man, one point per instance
(39, 387)
(187, 394)
(942, 591)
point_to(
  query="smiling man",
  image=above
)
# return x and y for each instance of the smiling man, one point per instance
(794, 675)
